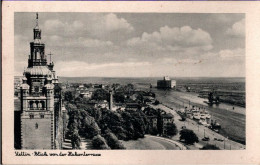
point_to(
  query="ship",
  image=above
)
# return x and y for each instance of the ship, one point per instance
(213, 98)
(215, 126)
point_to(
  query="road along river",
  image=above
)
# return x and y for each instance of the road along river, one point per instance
(232, 121)
(200, 131)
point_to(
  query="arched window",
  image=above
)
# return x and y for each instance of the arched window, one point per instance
(31, 104)
(34, 105)
(36, 125)
(43, 104)
(40, 105)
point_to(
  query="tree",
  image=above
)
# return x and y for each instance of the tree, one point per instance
(159, 122)
(68, 96)
(171, 129)
(73, 135)
(98, 142)
(129, 88)
(139, 125)
(210, 147)
(113, 141)
(188, 136)
(89, 127)
(100, 94)
(127, 125)
(75, 140)
(119, 97)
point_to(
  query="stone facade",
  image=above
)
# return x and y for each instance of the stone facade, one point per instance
(39, 120)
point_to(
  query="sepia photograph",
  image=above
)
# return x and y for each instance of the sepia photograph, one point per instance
(129, 81)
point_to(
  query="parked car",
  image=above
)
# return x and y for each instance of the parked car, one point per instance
(218, 139)
(206, 139)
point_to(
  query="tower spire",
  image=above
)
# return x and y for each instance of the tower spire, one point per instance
(50, 56)
(36, 19)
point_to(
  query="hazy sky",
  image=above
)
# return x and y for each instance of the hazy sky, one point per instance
(136, 44)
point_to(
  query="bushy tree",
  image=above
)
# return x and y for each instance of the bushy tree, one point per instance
(188, 136)
(119, 97)
(75, 140)
(100, 94)
(210, 147)
(99, 143)
(89, 127)
(159, 122)
(73, 135)
(113, 141)
(127, 125)
(171, 129)
(139, 126)
(134, 125)
(68, 96)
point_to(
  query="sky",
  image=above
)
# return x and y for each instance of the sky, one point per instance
(136, 44)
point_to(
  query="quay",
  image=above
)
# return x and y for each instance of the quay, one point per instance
(200, 131)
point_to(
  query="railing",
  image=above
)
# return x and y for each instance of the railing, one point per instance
(37, 109)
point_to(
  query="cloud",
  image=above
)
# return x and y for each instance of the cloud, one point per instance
(174, 39)
(113, 23)
(237, 29)
(175, 61)
(225, 54)
(80, 68)
(55, 40)
(55, 26)
(92, 25)
(231, 54)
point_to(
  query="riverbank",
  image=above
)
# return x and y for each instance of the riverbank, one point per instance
(200, 131)
(232, 122)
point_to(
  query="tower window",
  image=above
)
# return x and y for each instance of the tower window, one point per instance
(36, 126)
(42, 116)
(31, 116)
(36, 89)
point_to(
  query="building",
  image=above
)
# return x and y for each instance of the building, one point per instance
(133, 106)
(17, 83)
(167, 118)
(152, 120)
(39, 116)
(101, 104)
(166, 83)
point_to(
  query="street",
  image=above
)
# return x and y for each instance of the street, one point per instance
(200, 131)
(152, 143)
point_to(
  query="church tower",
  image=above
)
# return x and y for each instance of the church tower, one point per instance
(40, 101)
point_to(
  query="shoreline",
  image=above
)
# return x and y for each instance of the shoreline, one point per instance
(200, 132)
(232, 122)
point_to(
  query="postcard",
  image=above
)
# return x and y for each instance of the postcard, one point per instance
(130, 82)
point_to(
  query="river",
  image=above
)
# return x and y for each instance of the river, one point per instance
(232, 121)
